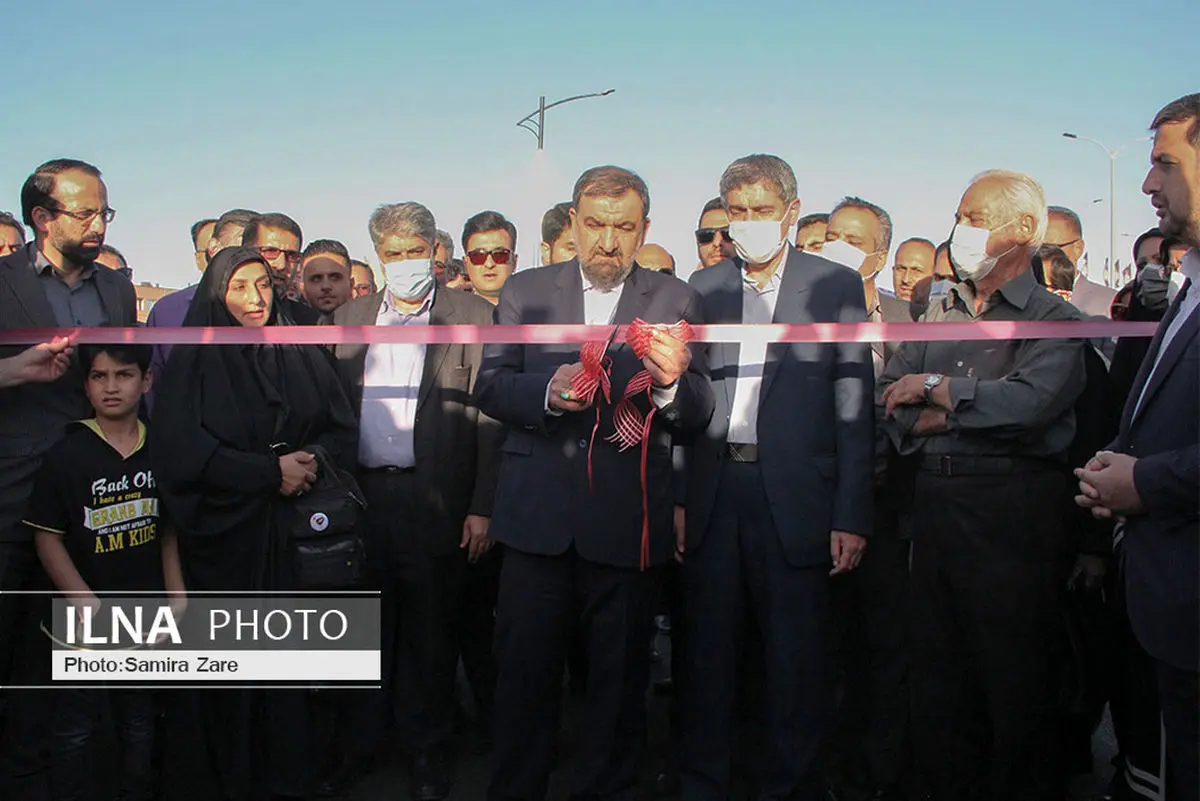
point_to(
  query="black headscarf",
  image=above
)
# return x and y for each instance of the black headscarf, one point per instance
(222, 407)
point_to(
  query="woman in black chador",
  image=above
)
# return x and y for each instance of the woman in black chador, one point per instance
(231, 425)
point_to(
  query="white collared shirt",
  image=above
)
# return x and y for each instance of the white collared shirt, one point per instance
(391, 388)
(600, 308)
(1189, 267)
(758, 308)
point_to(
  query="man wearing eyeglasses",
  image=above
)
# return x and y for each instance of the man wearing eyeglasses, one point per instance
(278, 239)
(490, 242)
(1066, 231)
(712, 235)
(53, 282)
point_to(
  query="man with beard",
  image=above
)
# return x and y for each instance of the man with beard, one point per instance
(712, 235)
(602, 526)
(1146, 478)
(53, 282)
(326, 271)
(278, 239)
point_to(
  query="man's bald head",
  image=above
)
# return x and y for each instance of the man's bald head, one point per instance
(656, 257)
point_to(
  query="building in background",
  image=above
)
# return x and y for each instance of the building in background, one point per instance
(147, 295)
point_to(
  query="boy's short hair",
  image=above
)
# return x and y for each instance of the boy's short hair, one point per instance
(118, 352)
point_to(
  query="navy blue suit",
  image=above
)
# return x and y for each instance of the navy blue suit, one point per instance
(572, 550)
(1162, 542)
(759, 533)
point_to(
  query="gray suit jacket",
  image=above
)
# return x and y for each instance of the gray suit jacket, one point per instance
(34, 415)
(457, 448)
(816, 419)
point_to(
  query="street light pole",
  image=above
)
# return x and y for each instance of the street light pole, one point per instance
(537, 126)
(1112, 191)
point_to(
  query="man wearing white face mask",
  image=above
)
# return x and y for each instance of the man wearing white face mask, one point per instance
(873, 715)
(859, 236)
(987, 427)
(419, 437)
(778, 491)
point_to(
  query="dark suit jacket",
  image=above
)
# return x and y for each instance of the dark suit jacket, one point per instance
(1162, 544)
(544, 505)
(34, 415)
(893, 310)
(815, 416)
(456, 447)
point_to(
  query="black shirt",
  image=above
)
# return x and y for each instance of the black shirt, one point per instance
(105, 507)
(1011, 397)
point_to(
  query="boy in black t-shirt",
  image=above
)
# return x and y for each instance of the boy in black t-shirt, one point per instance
(95, 516)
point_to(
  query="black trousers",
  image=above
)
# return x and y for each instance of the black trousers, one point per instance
(868, 625)
(477, 630)
(538, 596)
(987, 571)
(24, 660)
(741, 564)
(1137, 721)
(1179, 696)
(419, 613)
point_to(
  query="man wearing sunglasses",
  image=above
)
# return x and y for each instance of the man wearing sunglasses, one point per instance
(490, 244)
(53, 282)
(712, 235)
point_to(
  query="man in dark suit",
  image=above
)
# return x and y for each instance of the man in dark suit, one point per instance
(51, 283)
(778, 489)
(428, 466)
(585, 524)
(1149, 476)
(868, 606)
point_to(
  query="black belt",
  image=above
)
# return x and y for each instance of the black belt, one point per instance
(741, 452)
(390, 469)
(950, 466)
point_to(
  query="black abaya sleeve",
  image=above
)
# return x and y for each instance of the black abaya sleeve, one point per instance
(339, 437)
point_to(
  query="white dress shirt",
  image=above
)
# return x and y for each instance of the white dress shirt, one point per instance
(758, 308)
(391, 386)
(1190, 268)
(600, 308)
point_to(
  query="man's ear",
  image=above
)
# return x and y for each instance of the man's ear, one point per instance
(792, 215)
(545, 254)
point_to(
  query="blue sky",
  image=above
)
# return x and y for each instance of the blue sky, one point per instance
(324, 110)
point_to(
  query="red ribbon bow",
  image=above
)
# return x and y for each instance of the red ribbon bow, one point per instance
(630, 426)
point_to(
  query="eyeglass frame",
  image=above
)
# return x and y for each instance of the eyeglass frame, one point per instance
(108, 212)
(490, 254)
(291, 256)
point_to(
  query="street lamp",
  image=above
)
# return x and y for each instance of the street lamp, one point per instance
(1112, 190)
(535, 121)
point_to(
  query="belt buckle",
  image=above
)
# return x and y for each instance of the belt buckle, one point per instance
(735, 451)
(946, 467)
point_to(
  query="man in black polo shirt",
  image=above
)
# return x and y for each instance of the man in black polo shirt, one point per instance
(987, 426)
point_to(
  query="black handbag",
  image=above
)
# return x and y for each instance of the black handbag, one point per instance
(327, 546)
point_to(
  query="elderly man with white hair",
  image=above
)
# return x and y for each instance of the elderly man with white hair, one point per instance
(985, 428)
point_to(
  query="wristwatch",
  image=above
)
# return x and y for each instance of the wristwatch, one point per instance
(932, 381)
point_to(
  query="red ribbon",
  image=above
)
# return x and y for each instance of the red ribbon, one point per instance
(630, 427)
(594, 376)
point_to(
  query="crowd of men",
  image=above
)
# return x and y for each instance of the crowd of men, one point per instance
(902, 569)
